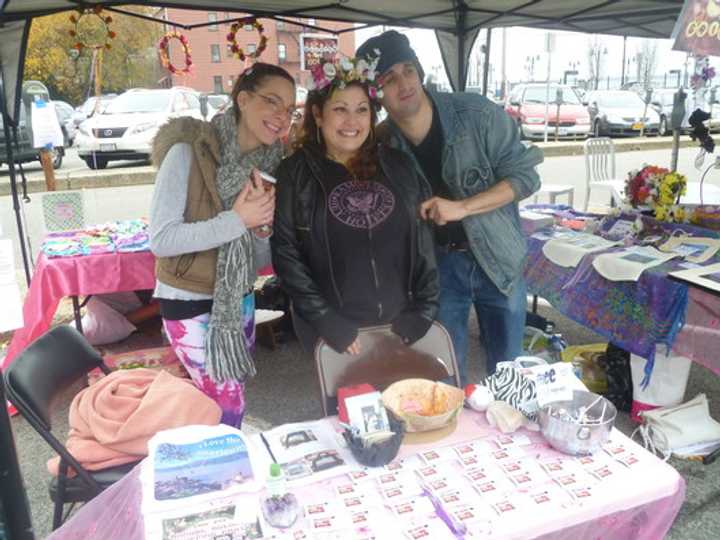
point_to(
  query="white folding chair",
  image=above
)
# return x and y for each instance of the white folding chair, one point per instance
(600, 169)
(553, 191)
(384, 359)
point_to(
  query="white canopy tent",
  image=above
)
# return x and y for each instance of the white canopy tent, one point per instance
(456, 23)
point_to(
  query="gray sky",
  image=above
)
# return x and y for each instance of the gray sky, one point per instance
(524, 42)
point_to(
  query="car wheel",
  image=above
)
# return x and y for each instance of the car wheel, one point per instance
(96, 162)
(597, 132)
(662, 129)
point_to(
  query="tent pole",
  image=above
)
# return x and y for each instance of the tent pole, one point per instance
(13, 179)
(460, 33)
(486, 67)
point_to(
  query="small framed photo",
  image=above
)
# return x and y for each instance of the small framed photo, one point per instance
(366, 412)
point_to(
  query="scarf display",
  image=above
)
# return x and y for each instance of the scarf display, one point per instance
(227, 354)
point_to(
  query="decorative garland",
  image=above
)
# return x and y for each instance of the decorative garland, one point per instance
(235, 46)
(165, 56)
(104, 19)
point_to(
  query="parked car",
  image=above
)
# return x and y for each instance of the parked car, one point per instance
(526, 105)
(91, 106)
(25, 151)
(126, 128)
(621, 112)
(662, 102)
(64, 112)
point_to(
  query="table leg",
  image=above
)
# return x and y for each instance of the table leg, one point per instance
(534, 303)
(76, 313)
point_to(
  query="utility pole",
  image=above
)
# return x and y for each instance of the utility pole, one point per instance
(503, 77)
(622, 77)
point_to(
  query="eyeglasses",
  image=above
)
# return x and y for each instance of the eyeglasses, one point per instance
(278, 107)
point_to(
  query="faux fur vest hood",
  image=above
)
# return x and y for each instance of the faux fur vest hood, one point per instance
(189, 130)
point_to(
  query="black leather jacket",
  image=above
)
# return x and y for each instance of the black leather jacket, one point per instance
(295, 249)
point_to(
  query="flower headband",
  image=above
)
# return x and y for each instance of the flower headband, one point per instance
(341, 72)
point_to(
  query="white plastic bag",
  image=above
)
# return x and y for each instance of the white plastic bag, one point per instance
(667, 382)
(102, 324)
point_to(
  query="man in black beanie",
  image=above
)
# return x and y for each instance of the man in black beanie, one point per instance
(468, 150)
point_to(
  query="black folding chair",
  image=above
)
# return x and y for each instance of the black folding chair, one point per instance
(33, 381)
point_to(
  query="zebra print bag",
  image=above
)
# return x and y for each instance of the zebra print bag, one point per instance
(509, 385)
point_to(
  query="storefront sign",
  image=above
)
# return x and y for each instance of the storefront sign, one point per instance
(698, 29)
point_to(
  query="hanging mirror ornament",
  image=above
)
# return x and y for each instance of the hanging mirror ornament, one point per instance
(164, 52)
(91, 29)
(235, 46)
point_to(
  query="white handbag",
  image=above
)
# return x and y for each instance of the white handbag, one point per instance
(667, 429)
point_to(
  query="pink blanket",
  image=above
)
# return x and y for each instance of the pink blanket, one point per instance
(112, 420)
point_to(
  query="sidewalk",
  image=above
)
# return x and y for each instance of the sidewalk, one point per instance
(133, 176)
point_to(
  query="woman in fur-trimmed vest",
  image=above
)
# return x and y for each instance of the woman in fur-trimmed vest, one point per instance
(209, 224)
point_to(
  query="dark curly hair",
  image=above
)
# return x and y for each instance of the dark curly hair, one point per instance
(364, 165)
(253, 77)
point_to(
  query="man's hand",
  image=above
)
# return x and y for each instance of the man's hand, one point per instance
(441, 211)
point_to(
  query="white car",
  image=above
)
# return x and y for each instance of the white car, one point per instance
(127, 126)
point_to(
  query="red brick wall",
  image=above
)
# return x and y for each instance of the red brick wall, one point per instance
(201, 39)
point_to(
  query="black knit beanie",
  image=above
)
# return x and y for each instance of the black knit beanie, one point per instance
(394, 47)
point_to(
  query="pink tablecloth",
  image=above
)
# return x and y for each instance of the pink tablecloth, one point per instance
(699, 337)
(59, 277)
(644, 507)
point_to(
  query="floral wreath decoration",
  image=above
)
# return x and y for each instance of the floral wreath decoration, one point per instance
(165, 56)
(235, 46)
(338, 73)
(106, 20)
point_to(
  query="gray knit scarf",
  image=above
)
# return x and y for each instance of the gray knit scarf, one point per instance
(227, 354)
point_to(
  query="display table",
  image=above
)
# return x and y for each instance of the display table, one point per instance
(635, 315)
(59, 277)
(639, 501)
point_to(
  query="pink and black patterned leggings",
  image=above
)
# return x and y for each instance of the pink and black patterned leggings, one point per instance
(187, 339)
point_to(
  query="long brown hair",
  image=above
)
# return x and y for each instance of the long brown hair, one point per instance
(363, 165)
(253, 77)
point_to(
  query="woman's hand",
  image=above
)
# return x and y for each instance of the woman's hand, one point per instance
(254, 205)
(354, 348)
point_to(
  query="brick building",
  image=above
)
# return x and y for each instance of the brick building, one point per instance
(215, 68)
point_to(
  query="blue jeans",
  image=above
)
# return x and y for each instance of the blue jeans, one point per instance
(501, 318)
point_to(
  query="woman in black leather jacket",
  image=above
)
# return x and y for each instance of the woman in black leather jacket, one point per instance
(348, 244)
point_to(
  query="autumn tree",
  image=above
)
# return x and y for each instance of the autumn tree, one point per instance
(131, 60)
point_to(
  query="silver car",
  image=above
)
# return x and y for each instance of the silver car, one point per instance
(662, 102)
(620, 112)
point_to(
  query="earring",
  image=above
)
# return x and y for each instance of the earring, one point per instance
(317, 135)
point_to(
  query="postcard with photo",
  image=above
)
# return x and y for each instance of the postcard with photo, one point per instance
(309, 451)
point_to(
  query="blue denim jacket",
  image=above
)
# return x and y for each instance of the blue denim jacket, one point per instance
(482, 147)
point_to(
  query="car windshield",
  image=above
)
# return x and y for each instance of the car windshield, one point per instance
(536, 94)
(620, 100)
(217, 101)
(139, 102)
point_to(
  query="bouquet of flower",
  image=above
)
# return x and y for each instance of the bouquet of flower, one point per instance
(658, 189)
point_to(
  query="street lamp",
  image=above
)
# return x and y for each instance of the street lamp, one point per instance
(572, 70)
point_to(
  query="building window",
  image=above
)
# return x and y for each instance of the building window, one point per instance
(218, 84)
(212, 17)
(280, 25)
(215, 53)
(282, 53)
(311, 22)
(249, 28)
(228, 48)
(250, 48)
(231, 81)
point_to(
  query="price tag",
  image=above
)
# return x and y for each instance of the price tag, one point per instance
(554, 382)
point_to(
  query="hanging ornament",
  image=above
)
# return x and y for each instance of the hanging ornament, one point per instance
(164, 53)
(235, 46)
(91, 29)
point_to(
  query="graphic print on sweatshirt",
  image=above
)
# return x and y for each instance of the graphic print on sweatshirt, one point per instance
(363, 205)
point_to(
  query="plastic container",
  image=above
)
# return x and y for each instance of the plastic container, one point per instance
(280, 508)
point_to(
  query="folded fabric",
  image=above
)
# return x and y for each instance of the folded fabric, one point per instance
(629, 264)
(569, 249)
(112, 421)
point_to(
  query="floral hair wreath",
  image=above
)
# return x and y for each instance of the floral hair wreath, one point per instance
(338, 73)
(165, 57)
(235, 46)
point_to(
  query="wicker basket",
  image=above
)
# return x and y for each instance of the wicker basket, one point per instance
(422, 389)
